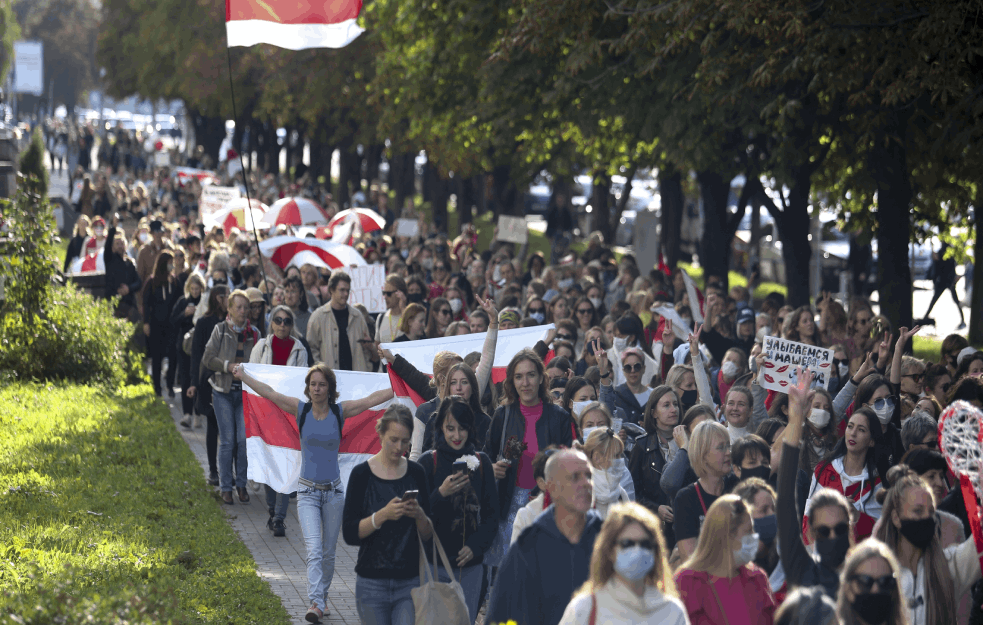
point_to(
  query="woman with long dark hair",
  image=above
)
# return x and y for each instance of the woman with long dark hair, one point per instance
(215, 312)
(158, 302)
(463, 498)
(440, 317)
(182, 320)
(526, 422)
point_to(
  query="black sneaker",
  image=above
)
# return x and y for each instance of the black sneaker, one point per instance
(269, 523)
(279, 529)
(213, 478)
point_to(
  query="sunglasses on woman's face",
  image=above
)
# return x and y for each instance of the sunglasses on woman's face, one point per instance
(444, 311)
(882, 403)
(584, 311)
(633, 368)
(824, 531)
(866, 583)
(283, 321)
(645, 543)
(533, 311)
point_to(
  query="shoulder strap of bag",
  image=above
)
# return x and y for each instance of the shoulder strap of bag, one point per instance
(336, 409)
(303, 417)
(592, 619)
(720, 603)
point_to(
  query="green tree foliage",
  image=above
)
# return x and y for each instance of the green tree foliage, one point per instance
(10, 32)
(32, 168)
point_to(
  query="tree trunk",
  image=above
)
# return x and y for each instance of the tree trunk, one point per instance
(600, 201)
(373, 156)
(505, 195)
(889, 166)
(671, 191)
(976, 303)
(403, 178)
(715, 244)
(209, 132)
(348, 174)
(793, 230)
(467, 199)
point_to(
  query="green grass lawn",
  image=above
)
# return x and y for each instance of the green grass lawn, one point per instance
(736, 279)
(104, 510)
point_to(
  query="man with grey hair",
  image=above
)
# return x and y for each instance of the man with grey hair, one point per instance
(533, 587)
(920, 430)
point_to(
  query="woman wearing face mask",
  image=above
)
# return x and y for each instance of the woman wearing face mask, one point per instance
(605, 451)
(717, 583)
(653, 451)
(526, 422)
(934, 580)
(459, 308)
(761, 501)
(463, 499)
(828, 516)
(733, 366)
(577, 394)
(628, 332)
(536, 309)
(230, 344)
(159, 297)
(182, 321)
(869, 594)
(878, 395)
(595, 294)
(630, 580)
(416, 290)
(678, 473)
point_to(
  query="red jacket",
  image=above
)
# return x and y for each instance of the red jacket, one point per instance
(828, 476)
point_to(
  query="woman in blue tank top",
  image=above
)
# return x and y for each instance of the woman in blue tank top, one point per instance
(320, 497)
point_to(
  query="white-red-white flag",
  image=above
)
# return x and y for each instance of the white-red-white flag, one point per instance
(89, 263)
(272, 439)
(421, 353)
(292, 24)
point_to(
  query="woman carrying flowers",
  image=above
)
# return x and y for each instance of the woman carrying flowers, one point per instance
(463, 498)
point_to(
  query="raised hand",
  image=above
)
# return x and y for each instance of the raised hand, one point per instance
(667, 334)
(904, 335)
(694, 340)
(800, 394)
(883, 349)
(866, 368)
(488, 305)
(601, 356)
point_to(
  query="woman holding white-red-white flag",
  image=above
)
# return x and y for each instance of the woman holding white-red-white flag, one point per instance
(321, 498)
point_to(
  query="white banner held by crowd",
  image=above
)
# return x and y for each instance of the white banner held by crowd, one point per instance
(407, 227)
(213, 199)
(367, 285)
(783, 357)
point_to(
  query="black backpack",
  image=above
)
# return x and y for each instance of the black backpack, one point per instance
(335, 408)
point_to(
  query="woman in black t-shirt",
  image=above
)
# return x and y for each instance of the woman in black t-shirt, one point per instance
(709, 454)
(386, 506)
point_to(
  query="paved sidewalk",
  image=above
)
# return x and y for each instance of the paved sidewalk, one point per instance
(280, 561)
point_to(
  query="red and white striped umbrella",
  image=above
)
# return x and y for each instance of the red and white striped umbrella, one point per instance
(286, 251)
(235, 215)
(94, 262)
(295, 211)
(368, 220)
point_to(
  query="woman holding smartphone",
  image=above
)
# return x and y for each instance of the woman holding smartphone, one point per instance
(386, 506)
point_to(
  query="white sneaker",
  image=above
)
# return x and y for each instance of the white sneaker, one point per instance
(186, 421)
(197, 421)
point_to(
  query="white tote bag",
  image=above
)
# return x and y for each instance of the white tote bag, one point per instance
(438, 603)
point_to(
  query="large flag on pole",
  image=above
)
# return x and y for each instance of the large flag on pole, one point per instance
(291, 24)
(272, 440)
(421, 353)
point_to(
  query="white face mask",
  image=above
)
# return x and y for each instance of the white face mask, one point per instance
(538, 316)
(565, 284)
(144, 237)
(596, 301)
(578, 406)
(843, 368)
(748, 549)
(587, 431)
(456, 305)
(885, 413)
(427, 263)
(819, 418)
(729, 369)
(620, 343)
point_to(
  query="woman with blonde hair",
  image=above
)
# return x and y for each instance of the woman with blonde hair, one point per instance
(606, 453)
(871, 565)
(719, 583)
(933, 579)
(630, 580)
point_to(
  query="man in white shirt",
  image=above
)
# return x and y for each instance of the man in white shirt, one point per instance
(387, 324)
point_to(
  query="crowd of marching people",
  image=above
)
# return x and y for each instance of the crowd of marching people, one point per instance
(629, 468)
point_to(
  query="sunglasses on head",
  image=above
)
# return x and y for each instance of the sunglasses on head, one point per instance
(283, 321)
(645, 543)
(824, 531)
(634, 368)
(885, 583)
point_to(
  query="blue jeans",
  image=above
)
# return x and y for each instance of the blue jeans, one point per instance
(276, 503)
(385, 601)
(470, 579)
(232, 439)
(319, 512)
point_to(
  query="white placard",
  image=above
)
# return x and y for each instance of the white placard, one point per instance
(512, 229)
(162, 158)
(407, 227)
(367, 284)
(214, 199)
(783, 357)
(694, 301)
(29, 67)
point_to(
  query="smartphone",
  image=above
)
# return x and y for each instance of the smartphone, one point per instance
(459, 466)
(616, 424)
(410, 494)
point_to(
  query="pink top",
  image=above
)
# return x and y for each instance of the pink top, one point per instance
(746, 599)
(525, 478)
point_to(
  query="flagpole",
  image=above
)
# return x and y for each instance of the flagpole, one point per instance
(245, 176)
